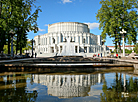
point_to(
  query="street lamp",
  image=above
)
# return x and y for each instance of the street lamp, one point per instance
(33, 41)
(104, 49)
(12, 34)
(122, 32)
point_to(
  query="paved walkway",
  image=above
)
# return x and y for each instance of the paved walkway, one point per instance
(118, 59)
(17, 60)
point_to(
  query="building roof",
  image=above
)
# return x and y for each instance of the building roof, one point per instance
(68, 22)
(125, 46)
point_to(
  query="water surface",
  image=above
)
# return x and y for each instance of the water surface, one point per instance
(69, 87)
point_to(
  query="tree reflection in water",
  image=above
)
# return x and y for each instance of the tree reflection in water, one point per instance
(71, 87)
(121, 90)
(13, 89)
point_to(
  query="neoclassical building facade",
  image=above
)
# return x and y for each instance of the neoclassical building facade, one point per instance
(69, 86)
(84, 42)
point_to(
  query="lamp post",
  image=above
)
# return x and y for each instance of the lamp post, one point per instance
(122, 32)
(12, 34)
(103, 41)
(33, 41)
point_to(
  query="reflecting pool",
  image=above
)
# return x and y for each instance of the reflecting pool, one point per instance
(68, 87)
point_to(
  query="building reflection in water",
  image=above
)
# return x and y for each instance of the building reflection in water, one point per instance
(68, 86)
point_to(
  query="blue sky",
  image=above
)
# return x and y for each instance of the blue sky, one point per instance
(54, 11)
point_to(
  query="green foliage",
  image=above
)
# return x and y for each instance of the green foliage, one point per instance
(5, 49)
(18, 93)
(28, 46)
(136, 48)
(17, 15)
(115, 91)
(115, 15)
(128, 51)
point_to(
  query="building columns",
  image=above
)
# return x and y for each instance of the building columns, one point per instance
(80, 39)
(88, 49)
(78, 49)
(88, 39)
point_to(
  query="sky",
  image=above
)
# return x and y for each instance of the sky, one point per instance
(83, 11)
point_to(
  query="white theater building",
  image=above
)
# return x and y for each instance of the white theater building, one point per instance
(84, 43)
(69, 86)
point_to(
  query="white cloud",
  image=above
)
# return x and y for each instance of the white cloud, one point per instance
(40, 34)
(42, 30)
(92, 25)
(66, 1)
(46, 24)
(28, 39)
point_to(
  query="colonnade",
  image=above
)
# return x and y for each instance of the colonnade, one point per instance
(54, 42)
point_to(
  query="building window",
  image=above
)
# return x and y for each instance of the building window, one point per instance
(65, 39)
(60, 49)
(74, 39)
(53, 40)
(90, 49)
(90, 40)
(71, 39)
(85, 49)
(75, 49)
(83, 40)
(61, 38)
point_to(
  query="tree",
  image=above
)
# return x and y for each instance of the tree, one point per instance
(28, 46)
(115, 15)
(136, 48)
(28, 23)
(5, 49)
(2, 25)
(17, 15)
(114, 92)
(128, 51)
(16, 92)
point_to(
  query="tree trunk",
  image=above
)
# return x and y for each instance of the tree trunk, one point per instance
(119, 43)
(17, 45)
(9, 41)
(17, 41)
(2, 36)
(20, 44)
(0, 8)
(115, 41)
(20, 50)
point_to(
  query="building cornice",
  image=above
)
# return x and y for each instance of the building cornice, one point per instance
(67, 22)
